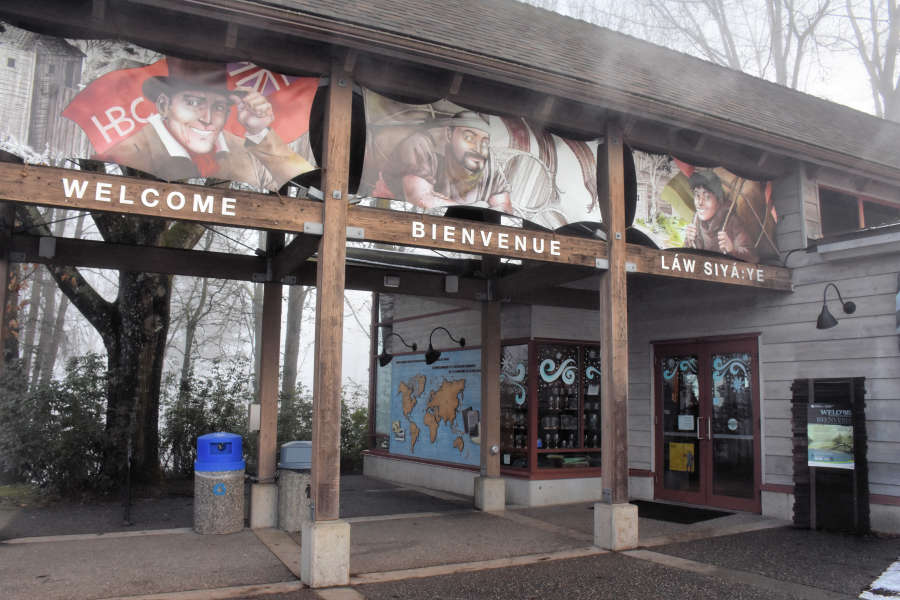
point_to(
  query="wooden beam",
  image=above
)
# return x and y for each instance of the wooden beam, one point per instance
(426, 231)
(724, 270)
(268, 372)
(455, 84)
(292, 257)
(330, 279)
(532, 277)
(139, 259)
(490, 388)
(614, 318)
(699, 146)
(231, 35)
(80, 190)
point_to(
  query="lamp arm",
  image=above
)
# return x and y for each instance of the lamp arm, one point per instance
(825, 292)
(460, 341)
(412, 346)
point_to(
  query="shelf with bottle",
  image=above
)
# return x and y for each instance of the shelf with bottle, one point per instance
(559, 399)
(551, 439)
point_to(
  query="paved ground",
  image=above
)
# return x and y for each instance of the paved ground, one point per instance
(407, 543)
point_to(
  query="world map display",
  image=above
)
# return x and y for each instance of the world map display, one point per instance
(436, 409)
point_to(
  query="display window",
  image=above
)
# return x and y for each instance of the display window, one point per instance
(550, 409)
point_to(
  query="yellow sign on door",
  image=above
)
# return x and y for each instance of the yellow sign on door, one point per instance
(681, 457)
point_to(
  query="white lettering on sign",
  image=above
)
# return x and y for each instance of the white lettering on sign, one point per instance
(710, 268)
(481, 238)
(120, 121)
(129, 194)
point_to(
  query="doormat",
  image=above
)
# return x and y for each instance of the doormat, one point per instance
(675, 514)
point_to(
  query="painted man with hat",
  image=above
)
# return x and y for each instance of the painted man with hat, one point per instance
(187, 137)
(716, 225)
(449, 162)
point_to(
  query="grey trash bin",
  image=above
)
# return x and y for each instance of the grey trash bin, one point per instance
(219, 484)
(293, 485)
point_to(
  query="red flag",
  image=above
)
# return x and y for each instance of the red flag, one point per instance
(113, 106)
(291, 98)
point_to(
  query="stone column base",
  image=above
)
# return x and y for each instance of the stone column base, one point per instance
(325, 553)
(615, 526)
(490, 493)
(263, 505)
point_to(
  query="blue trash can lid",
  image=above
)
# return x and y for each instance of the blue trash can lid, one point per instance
(219, 451)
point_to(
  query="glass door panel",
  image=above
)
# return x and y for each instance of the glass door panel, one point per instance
(708, 423)
(681, 424)
(514, 434)
(732, 425)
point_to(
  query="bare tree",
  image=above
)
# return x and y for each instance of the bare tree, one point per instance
(296, 303)
(728, 32)
(59, 326)
(133, 329)
(875, 36)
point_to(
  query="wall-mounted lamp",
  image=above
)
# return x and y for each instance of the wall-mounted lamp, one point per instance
(826, 320)
(386, 357)
(432, 355)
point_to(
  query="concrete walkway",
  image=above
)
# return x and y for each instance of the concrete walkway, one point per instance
(439, 547)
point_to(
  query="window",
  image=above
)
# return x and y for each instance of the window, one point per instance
(11, 63)
(842, 212)
(70, 73)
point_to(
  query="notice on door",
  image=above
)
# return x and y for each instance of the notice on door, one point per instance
(681, 457)
(829, 432)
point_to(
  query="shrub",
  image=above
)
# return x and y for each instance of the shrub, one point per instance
(53, 436)
(204, 404)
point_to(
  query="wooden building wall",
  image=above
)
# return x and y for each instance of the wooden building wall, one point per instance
(15, 87)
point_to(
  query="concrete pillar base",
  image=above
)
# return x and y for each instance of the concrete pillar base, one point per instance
(325, 553)
(615, 526)
(263, 505)
(490, 493)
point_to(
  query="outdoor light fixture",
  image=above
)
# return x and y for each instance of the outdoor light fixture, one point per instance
(386, 357)
(432, 355)
(826, 320)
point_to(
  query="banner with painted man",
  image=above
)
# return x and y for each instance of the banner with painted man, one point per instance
(439, 155)
(705, 208)
(172, 118)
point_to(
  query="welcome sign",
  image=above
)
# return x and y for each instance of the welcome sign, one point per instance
(829, 433)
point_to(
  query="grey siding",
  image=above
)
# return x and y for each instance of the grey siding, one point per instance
(790, 347)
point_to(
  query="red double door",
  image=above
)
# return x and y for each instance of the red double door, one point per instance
(707, 423)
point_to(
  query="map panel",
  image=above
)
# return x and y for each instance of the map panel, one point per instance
(436, 409)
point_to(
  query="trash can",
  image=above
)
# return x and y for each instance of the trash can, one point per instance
(219, 484)
(293, 485)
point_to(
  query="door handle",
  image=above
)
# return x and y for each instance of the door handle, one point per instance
(708, 428)
(700, 427)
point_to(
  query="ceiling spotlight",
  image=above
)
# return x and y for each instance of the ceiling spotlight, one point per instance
(826, 320)
(432, 355)
(386, 357)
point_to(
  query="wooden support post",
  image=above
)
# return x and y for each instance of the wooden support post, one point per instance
(7, 221)
(490, 388)
(326, 450)
(268, 369)
(614, 315)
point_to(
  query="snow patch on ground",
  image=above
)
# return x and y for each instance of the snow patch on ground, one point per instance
(886, 586)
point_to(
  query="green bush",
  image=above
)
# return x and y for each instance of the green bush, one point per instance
(53, 436)
(216, 401)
